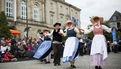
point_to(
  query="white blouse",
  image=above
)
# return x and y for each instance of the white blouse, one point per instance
(87, 31)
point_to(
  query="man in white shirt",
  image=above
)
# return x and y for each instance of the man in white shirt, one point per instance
(57, 43)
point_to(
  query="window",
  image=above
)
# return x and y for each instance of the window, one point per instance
(61, 20)
(23, 9)
(114, 18)
(36, 13)
(51, 5)
(8, 7)
(61, 8)
(51, 19)
(67, 19)
(67, 10)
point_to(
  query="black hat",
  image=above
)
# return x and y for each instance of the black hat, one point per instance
(41, 32)
(57, 24)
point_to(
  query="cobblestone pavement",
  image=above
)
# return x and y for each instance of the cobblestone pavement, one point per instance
(114, 62)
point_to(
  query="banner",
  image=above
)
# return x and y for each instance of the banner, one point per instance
(75, 21)
(114, 31)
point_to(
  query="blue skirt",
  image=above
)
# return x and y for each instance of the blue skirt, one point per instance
(43, 50)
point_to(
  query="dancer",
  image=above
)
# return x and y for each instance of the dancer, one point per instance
(71, 44)
(98, 54)
(45, 48)
(57, 43)
(40, 40)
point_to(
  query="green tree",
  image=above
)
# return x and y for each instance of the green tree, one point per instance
(4, 28)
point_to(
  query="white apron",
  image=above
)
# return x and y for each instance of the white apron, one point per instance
(99, 46)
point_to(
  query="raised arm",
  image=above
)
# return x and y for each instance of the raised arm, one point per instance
(87, 31)
(106, 28)
(78, 32)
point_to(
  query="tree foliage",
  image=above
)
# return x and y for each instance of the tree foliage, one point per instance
(4, 28)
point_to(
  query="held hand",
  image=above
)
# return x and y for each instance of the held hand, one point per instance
(115, 27)
(80, 29)
(60, 33)
(65, 24)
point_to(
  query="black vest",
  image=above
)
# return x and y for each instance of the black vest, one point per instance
(57, 36)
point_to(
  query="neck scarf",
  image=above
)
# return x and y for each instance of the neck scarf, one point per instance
(97, 23)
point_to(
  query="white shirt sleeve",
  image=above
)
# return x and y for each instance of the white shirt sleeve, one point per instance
(87, 31)
(106, 28)
(64, 34)
(51, 33)
(78, 33)
(76, 30)
(61, 31)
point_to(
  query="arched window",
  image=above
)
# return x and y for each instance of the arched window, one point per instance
(23, 9)
(8, 7)
(36, 13)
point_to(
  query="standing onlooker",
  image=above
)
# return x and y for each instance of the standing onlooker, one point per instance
(108, 46)
(81, 44)
(89, 45)
(115, 46)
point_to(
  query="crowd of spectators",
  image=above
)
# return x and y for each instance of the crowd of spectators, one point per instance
(16, 49)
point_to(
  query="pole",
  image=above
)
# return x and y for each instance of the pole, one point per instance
(26, 20)
(45, 9)
(14, 12)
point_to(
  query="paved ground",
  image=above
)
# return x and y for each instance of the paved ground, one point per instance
(114, 62)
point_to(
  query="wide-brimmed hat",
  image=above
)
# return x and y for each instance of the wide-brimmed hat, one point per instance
(46, 30)
(57, 24)
(96, 17)
(69, 21)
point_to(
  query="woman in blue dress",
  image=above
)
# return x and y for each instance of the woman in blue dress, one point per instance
(71, 44)
(45, 48)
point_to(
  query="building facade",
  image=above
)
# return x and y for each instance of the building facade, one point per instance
(116, 20)
(39, 14)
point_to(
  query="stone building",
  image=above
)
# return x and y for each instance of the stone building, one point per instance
(40, 14)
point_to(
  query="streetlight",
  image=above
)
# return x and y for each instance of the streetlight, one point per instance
(14, 13)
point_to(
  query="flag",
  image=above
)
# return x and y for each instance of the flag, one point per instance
(114, 32)
(75, 21)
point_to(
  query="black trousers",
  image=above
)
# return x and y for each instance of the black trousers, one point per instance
(57, 48)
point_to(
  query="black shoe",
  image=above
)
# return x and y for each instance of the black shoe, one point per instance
(73, 66)
(59, 64)
(96, 67)
(55, 64)
(100, 67)
(47, 62)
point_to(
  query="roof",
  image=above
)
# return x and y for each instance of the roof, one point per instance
(118, 17)
(63, 2)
